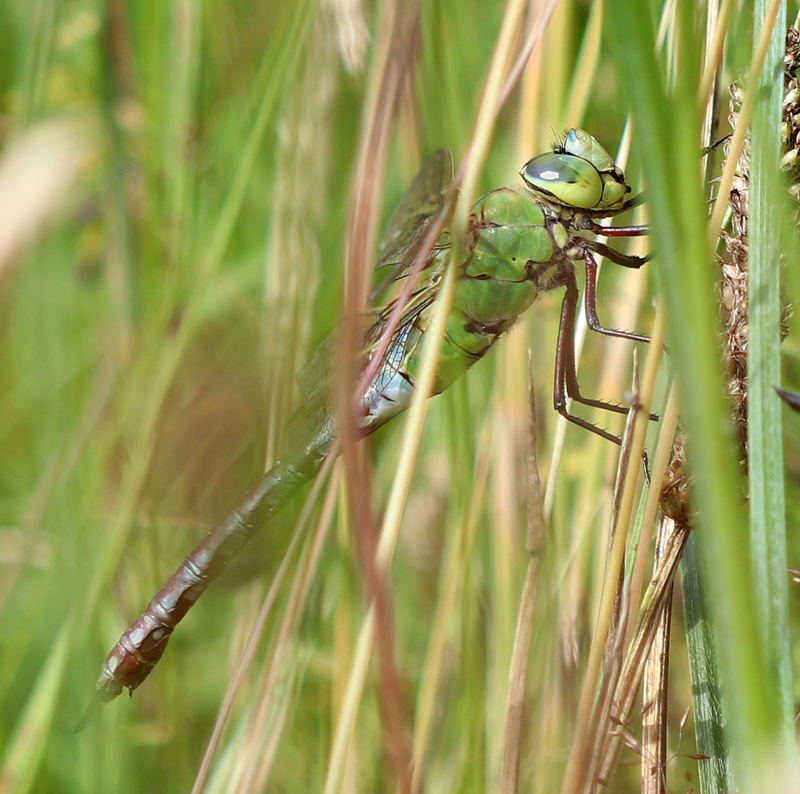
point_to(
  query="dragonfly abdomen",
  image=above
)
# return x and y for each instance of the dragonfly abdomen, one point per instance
(142, 645)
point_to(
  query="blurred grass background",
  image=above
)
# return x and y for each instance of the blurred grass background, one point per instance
(178, 255)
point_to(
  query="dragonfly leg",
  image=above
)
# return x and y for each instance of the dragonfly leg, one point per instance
(590, 299)
(566, 380)
(616, 231)
(617, 257)
(593, 321)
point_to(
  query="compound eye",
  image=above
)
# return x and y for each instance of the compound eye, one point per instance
(570, 180)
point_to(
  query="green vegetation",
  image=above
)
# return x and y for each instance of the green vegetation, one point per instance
(177, 184)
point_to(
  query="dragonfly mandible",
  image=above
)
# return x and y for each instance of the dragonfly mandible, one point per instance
(519, 244)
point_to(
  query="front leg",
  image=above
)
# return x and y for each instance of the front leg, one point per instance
(590, 301)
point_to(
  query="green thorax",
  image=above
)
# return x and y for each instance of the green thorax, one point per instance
(518, 244)
(508, 247)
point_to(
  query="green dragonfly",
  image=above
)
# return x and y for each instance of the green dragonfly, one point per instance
(519, 243)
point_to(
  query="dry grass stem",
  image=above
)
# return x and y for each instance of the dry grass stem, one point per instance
(655, 498)
(456, 559)
(259, 734)
(655, 691)
(604, 649)
(658, 591)
(579, 771)
(535, 543)
(395, 53)
(299, 592)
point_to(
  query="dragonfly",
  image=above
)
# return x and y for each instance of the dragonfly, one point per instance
(519, 244)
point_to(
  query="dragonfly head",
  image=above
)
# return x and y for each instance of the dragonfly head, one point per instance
(578, 173)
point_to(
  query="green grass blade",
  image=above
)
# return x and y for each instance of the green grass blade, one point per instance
(28, 742)
(764, 421)
(715, 772)
(667, 127)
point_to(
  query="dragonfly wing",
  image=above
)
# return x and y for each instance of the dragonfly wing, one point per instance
(315, 374)
(391, 389)
(422, 203)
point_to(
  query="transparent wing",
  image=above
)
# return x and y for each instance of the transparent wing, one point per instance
(315, 376)
(420, 205)
(406, 337)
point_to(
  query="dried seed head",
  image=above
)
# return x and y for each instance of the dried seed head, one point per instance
(675, 483)
(733, 287)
